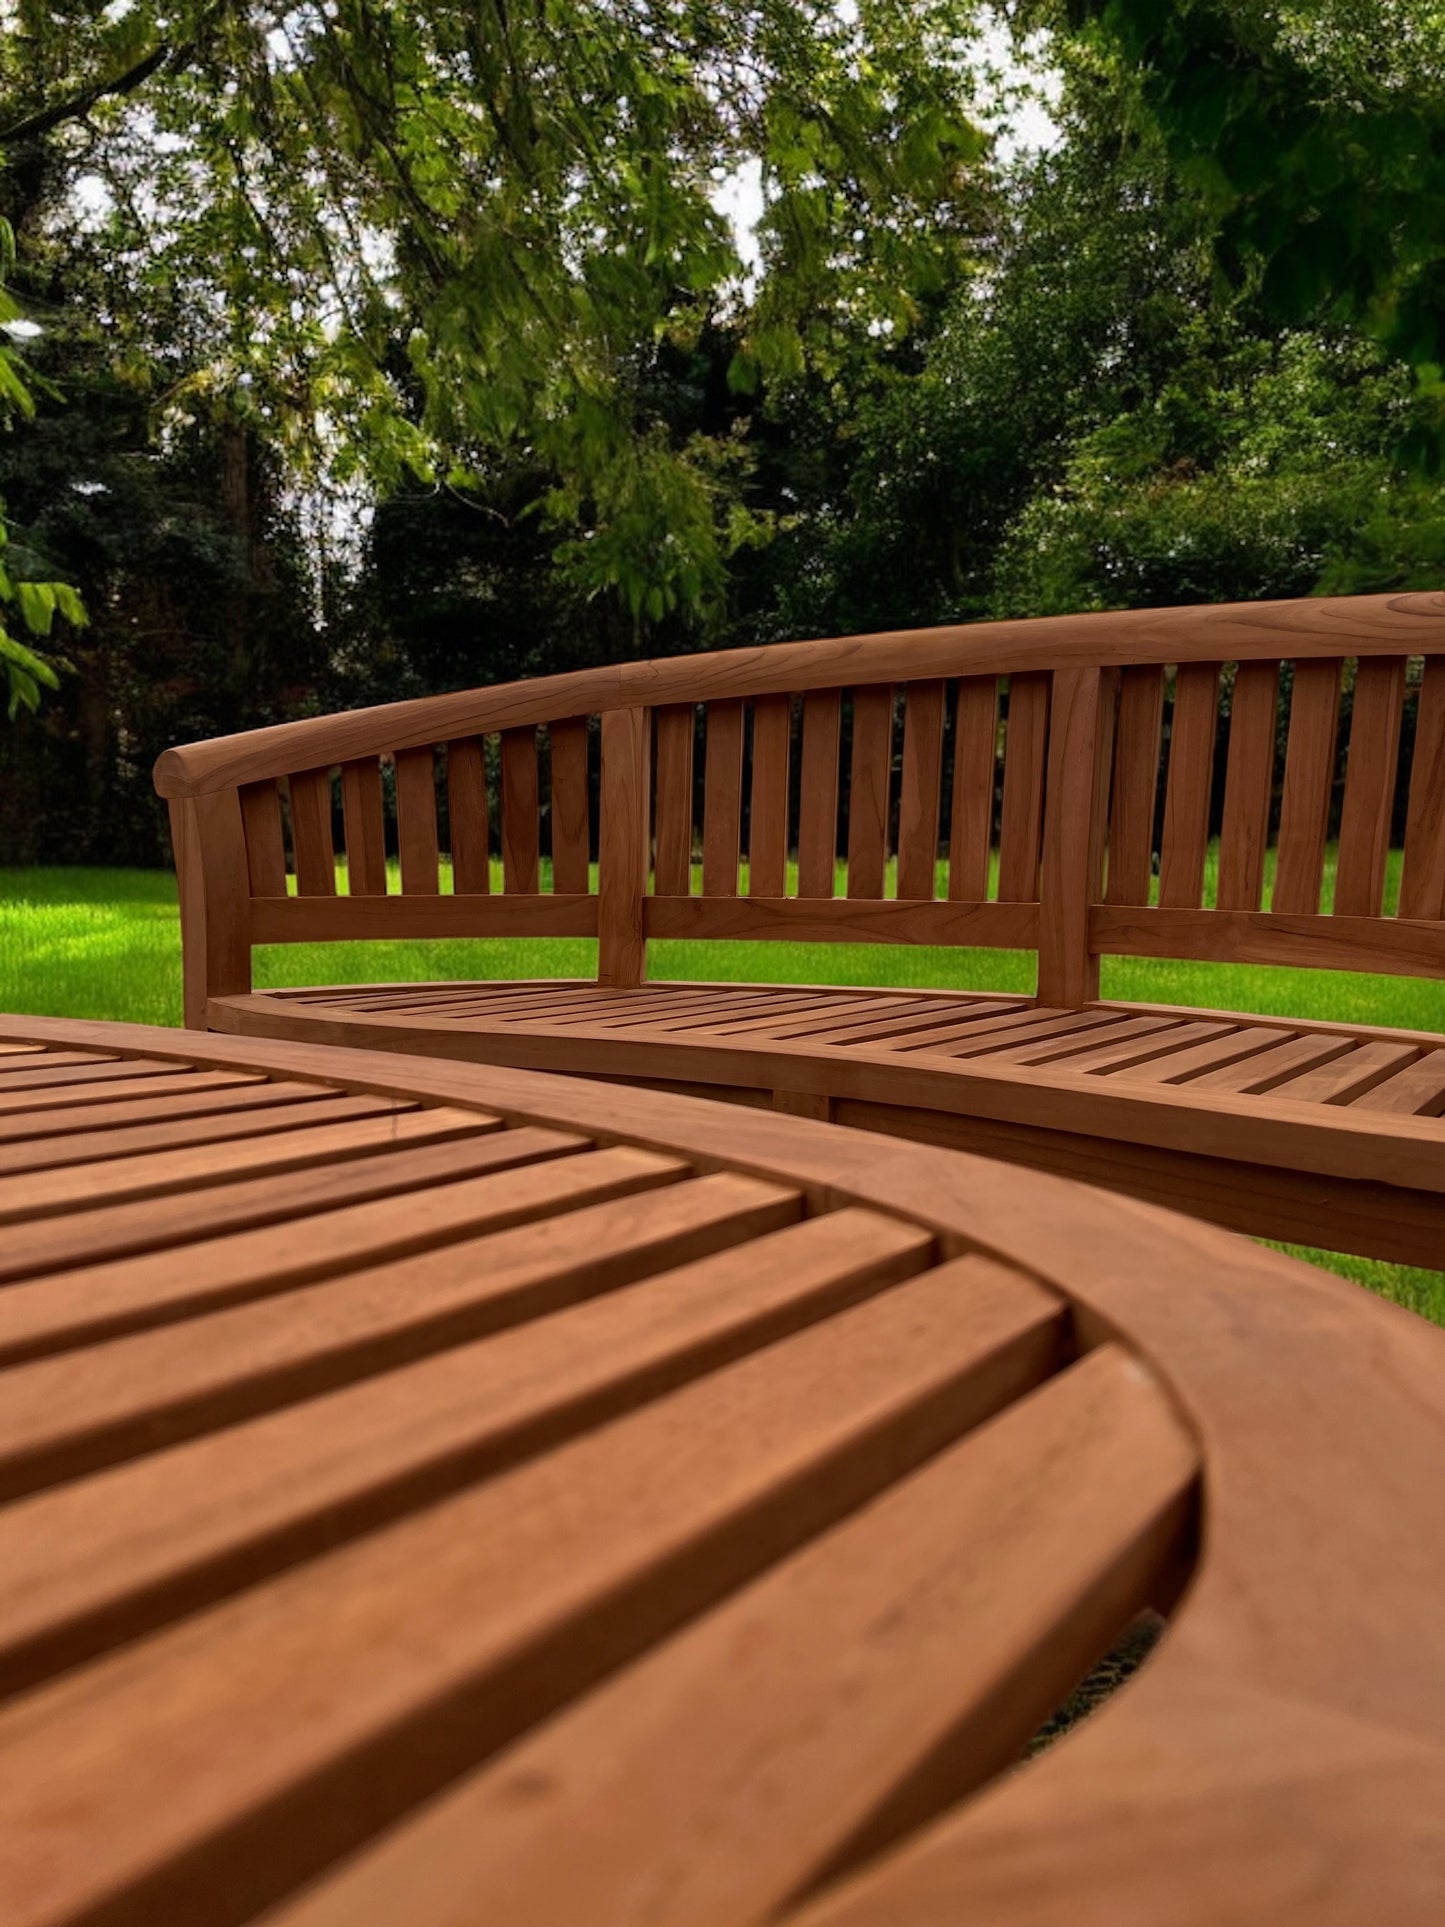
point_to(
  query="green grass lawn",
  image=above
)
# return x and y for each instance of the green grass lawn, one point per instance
(106, 943)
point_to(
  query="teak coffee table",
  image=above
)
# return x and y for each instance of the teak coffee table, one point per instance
(438, 1495)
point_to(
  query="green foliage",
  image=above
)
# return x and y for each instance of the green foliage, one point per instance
(28, 669)
(426, 239)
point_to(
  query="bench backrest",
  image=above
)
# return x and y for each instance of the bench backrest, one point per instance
(1006, 784)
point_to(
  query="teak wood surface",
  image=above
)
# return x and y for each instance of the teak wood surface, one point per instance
(1008, 785)
(440, 1494)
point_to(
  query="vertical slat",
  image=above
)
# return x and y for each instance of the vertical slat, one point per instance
(1136, 784)
(673, 870)
(361, 816)
(519, 811)
(722, 816)
(918, 798)
(868, 775)
(1073, 839)
(768, 810)
(1370, 771)
(1186, 799)
(818, 809)
(467, 814)
(1422, 881)
(265, 849)
(416, 820)
(622, 848)
(1248, 784)
(571, 814)
(1309, 770)
(975, 773)
(1025, 735)
(310, 792)
(210, 853)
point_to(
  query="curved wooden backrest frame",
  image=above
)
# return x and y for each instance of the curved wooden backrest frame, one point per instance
(1031, 750)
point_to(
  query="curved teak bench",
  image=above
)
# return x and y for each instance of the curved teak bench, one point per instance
(1040, 755)
(434, 1494)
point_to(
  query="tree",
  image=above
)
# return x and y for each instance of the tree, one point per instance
(426, 238)
(35, 600)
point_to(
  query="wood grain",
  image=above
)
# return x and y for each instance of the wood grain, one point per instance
(1187, 790)
(416, 821)
(1308, 777)
(768, 810)
(468, 816)
(364, 826)
(975, 778)
(1248, 785)
(311, 843)
(570, 807)
(520, 805)
(818, 809)
(265, 849)
(1422, 877)
(918, 802)
(1025, 736)
(623, 851)
(1370, 773)
(676, 727)
(1136, 784)
(868, 792)
(722, 799)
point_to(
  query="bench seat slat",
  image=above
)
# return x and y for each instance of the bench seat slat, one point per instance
(876, 1677)
(437, 1640)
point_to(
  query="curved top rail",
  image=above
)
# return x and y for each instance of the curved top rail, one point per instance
(1405, 624)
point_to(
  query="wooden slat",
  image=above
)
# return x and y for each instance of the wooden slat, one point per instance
(1072, 1024)
(722, 799)
(1063, 1048)
(85, 1149)
(868, 786)
(1004, 1025)
(571, 807)
(152, 1223)
(878, 1019)
(1248, 784)
(1136, 784)
(265, 848)
(1072, 877)
(161, 1348)
(416, 821)
(918, 802)
(768, 809)
(1186, 795)
(1253, 1075)
(97, 1107)
(622, 850)
(1422, 878)
(87, 1187)
(871, 1680)
(1025, 739)
(377, 919)
(975, 776)
(1180, 1066)
(1370, 773)
(1416, 1091)
(1349, 1077)
(1116, 1052)
(818, 808)
(432, 1643)
(34, 1090)
(467, 815)
(310, 793)
(1008, 926)
(1309, 770)
(672, 868)
(21, 1050)
(519, 811)
(300, 1480)
(1407, 946)
(365, 830)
